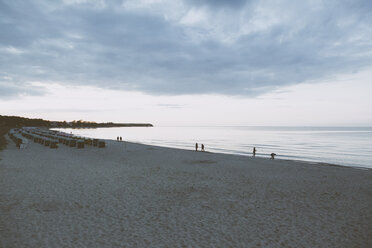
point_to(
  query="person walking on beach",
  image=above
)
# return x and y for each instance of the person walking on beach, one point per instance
(254, 151)
(272, 156)
(202, 148)
(196, 147)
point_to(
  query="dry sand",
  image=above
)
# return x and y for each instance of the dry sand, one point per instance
(132, 195)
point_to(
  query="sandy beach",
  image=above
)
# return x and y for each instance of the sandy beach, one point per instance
(133, 195)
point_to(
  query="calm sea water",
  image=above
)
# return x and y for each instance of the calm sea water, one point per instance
(351, 146)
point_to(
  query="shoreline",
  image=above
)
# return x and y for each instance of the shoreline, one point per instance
(212, 152)
(310, 163)
(321, 150)
(137, 195)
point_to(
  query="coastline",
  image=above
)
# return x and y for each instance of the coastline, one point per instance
(142, 195)
(323, 146)
(296, 161)
(305, 162)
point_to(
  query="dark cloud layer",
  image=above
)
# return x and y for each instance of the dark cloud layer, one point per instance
(220, 3)
(253, 48)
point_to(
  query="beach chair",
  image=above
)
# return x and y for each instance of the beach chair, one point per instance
(80, 144)
(53, 144)
(72, 143)
(101, 144)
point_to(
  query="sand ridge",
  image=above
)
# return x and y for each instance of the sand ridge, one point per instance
(133, 195)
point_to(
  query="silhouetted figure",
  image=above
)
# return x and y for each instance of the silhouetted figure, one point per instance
(196, 147)
(272, 155)
(202, 148)
(121, 139)
(117, 138)
(254, 151)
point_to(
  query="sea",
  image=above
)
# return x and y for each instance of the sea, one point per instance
(347, 146)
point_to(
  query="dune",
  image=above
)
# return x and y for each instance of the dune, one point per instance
(134, 195)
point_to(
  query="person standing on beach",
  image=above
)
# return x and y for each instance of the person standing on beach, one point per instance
(254, 151)
(196, 147)
(117, 138)
(121, 139)
(272, 156)
(202, 148)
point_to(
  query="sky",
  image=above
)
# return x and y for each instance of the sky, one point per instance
(188, 62)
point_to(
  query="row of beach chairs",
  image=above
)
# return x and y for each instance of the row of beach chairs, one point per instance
(52, 138)
(17, 138)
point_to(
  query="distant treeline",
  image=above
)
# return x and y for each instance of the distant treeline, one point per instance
(16, 121)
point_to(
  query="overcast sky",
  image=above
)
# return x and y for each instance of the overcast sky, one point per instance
(188, 61)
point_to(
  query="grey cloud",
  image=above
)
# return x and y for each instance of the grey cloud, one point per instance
(131, 50)
(7, 90)
(220, 3)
